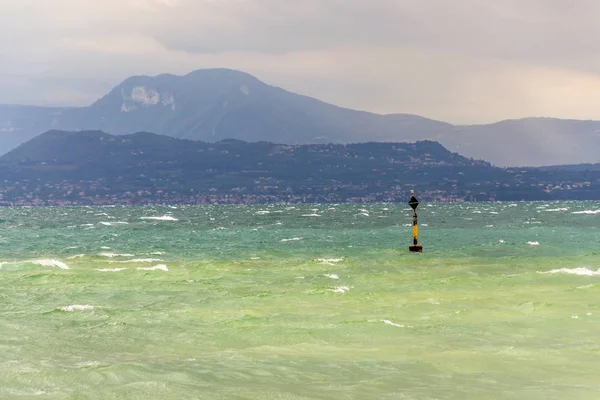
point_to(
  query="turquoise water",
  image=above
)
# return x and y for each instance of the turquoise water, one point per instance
(300, 302)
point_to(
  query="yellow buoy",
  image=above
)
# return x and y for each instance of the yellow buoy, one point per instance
(415, 247)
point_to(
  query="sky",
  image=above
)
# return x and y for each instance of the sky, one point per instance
(461, 61)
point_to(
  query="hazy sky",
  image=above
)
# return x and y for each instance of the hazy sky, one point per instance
(462, 61)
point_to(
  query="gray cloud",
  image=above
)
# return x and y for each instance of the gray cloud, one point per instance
(462, 61)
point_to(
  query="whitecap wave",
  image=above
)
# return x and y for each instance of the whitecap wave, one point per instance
(533, 243)
(163, 218)
(332, 276)
(76, 256)
(589, 212)
(142, 260)
(339, 289)
(110, 269)
(388, 322)
(291, 240)
(311, 215)
(574, 271)
(329, 261)
(113, 255)
(77, 307)
(160, 267)
(114, 223)
(556, 209)
(51, 263)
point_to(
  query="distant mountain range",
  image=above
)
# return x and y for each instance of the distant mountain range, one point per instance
(92, 167)
(217, 104)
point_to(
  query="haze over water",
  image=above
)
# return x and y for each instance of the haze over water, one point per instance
(300, 302)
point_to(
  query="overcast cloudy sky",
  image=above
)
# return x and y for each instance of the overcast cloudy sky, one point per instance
(463, 61)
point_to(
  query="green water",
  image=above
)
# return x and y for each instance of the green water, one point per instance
(305, 302)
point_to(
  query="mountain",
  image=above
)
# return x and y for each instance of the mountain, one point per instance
(216, 104)
(92, 167)
(20, 123)
(530, 141)
(96, 167)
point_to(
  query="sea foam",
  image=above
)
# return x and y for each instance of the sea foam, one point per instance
(51, 263)
(339, 289)
(291, 240)
(329, 261)
(163, 218)
(388, 322)
(113, 255)
(141, 260)
(574, 271)
(110, 269)
(77, 307)
(160, 267)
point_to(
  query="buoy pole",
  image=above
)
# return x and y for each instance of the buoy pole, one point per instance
(415, 247)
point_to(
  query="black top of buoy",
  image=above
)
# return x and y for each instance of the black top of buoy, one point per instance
(413, 203)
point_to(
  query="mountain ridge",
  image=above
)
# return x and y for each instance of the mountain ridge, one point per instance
(215, 104)
(93, 167)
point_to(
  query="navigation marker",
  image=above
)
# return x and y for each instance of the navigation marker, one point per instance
(413, 203)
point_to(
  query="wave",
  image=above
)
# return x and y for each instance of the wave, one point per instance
(332, 276)
(114, 223)
(113, 255)
(77, 307)
(388, 322)
(329, 261)
(160, 267)
(291, 240)
(339, 289)
(574, 271)
(50, 263)
(110, 269)
(591, 212)
(76, 256)
(533, 243)
(141, 260)
(163, 218)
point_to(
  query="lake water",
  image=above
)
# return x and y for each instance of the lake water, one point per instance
(301, 302)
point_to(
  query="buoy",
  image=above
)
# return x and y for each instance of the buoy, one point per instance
(415, 247)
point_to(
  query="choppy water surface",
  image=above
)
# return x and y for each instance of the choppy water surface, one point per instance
(304, 302)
